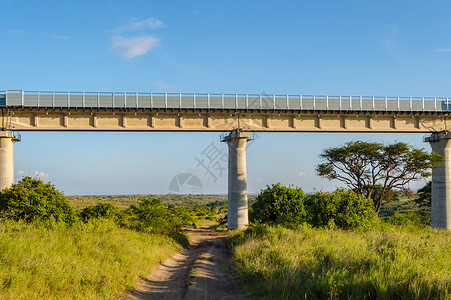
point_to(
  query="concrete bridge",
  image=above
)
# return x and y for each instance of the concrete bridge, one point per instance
(234, 113)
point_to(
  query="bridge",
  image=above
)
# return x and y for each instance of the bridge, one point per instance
(237, 114)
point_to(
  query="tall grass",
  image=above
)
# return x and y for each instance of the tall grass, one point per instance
(389, 262)
(97, 260)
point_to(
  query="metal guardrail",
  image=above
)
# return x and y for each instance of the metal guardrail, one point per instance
(220, 101)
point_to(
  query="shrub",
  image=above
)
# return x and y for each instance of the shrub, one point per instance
(100, 210)
(289, 206)
(410, 218)
(279, 204)
(150, 215)
(32, 199)
(343, 209)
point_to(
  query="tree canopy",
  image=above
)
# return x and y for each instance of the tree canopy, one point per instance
(32, 199)
(374, 169)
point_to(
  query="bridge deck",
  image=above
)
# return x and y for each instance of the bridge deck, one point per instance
(98, 111)
(183, 101)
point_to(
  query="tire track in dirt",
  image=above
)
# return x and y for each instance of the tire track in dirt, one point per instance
(199, 272)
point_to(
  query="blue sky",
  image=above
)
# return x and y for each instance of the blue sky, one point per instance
(383, 48)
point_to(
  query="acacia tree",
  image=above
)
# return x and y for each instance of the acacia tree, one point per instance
(375, 169)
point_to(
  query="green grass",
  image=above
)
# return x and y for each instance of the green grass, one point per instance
(86, 261)
(388, 262)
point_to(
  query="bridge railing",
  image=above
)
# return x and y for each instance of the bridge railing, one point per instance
(220, 101)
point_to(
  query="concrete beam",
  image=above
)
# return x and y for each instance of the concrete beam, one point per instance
(237, 211)
(71, 119)
(441, 181)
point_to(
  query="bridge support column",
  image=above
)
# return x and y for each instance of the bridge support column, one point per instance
(237, 211)
(6, 159)
(441, 181)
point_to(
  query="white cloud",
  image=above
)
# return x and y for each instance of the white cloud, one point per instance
(20, 172)
(130, 47)
(164, 87)
(149, 23)
(443, 50)
(40, 174)
(302, 174)
(15, 31)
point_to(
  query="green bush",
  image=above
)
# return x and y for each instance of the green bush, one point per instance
(343, 209)
(100, 210)
(289, 206)
(150, 215)
(410, 218)
(279, 204)
(32, 199)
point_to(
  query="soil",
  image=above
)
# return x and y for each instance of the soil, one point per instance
(199, 272)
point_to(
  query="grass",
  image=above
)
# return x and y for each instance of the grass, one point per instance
(388, 262)
(86, 261)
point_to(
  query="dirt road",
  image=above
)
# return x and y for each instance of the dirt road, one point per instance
(199, 272)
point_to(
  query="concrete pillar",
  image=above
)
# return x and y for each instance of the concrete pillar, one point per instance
(237, 212)
(441, 181)
(6, 159)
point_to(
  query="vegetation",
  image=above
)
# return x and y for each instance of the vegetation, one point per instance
(205, 211)
(409, 218)
(122, 202)
(404, 206)
(151, 216)
(343, 209)
(386, 262)
(375, 169)
(424, 195)
(289, 206)
(99, 211)
(32, 199)
(48, 252)
(279, 204)
(94, 260)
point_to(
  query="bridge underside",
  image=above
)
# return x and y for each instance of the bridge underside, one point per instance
(73, 119)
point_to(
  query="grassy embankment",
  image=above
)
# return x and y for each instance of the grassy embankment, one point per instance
(97, 260)
(86, 261)
(387, 262)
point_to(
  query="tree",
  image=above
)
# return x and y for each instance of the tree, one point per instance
(375, 169)
(424, 197)
(32, 199)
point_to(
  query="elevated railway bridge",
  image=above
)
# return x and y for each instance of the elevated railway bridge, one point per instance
(237, 114)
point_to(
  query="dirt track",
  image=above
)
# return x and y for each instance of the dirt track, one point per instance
(199, 272)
